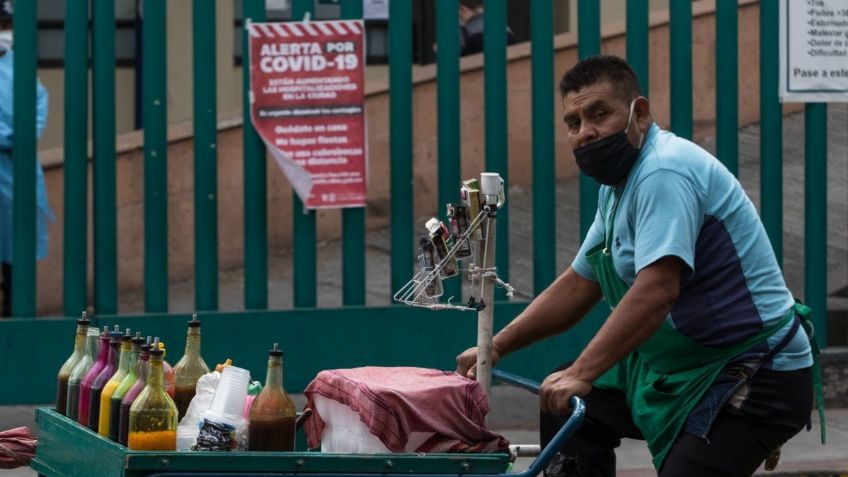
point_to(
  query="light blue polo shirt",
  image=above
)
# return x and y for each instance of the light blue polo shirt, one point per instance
(679, 200)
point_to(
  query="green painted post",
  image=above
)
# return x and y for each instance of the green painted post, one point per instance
(544, 167)
(103, 133)
(588, 44)
(24, 157)
(74, 276)
(447, 83)
(815, 215)
(497, 133)
(681, 67)
(771, 129)
(637, 41)
(353, 219)
(155, 107)
(303, 220)
(205, 157)
(255, 185)
(400, 134)
(727, 84)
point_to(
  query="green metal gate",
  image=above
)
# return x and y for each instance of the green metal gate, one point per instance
(354, 335)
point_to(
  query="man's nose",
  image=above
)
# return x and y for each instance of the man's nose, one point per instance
(588, 133)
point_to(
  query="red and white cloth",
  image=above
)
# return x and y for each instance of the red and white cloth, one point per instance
(395, 402)
(17, 448)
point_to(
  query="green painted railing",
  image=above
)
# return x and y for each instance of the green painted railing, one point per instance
(324, 338)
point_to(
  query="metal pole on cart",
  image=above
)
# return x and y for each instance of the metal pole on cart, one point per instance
(491, 186)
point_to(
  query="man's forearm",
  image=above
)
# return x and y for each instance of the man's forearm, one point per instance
(554, 311)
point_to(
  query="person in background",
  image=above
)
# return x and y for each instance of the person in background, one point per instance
(7, 138)
(471, 27)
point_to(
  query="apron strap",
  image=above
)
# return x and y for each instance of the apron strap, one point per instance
(804, 312)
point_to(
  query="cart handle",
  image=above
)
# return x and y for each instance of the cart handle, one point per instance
(565, 432)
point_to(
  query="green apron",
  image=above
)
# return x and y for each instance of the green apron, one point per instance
(667, 375)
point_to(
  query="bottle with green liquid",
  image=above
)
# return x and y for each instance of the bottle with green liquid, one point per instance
(92, 345)
(123, 387)
(70, 364)
(153, 415)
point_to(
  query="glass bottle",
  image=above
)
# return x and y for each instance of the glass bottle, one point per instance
(272, 415)
(170, 378)
(124, 386)
(134, 391)
(109, 388)
(71, 363)
(189, 368)
(153, 415)
(103, 377)
(85, 387)
(92, 344)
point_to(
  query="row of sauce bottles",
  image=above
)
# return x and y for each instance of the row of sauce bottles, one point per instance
(121, 387)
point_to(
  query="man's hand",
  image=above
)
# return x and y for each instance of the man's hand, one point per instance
(466, 363)
(556, 392)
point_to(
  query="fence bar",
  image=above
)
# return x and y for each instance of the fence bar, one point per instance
(75, 254)
(544, 169)
(155, 119)
(815, 215)
(447, 39)
(205, 157)
(353, 219)
(588, 44)
(727, 84)
(680, 37)
(497, 134)
(771, 129)
(400, 143)
(24, 157)
(303, 220)
(103, 133)
(637, 41)
(255, 186)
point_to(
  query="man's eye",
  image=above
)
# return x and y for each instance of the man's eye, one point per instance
(600, 114)
(572, 124)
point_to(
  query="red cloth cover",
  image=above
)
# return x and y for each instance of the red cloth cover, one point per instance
(393, 402)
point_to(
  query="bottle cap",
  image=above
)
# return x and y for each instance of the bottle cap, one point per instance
(116, 334)
(84, 321)
(138, 340)
(157, 349)
(275, 351)
(194, 323)
(127, 336)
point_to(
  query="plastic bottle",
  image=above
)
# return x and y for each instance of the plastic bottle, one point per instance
(85, 387)
(66, 369)
(133, 392)
(109, 388)
(124, 386)
(153, 415)
(272, 416)
(92, 345)
(103, 377)
(189, 368)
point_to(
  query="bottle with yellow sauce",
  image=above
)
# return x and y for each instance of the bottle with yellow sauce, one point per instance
(153, 415)
(112, 384)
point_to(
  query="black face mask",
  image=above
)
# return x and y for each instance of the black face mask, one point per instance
(610, 159)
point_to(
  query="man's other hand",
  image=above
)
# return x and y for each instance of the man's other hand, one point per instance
(556, 392)
(466, 363)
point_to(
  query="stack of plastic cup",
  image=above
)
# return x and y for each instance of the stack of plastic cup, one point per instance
(228, 403)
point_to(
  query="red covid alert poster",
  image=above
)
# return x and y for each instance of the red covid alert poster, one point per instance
(307, 103)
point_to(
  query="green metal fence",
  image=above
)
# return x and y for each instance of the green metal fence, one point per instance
(354, 335)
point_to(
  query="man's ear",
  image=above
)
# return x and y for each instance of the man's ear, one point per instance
(642, 111)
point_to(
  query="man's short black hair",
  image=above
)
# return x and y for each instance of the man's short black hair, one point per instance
(594, 69)
(471, 4)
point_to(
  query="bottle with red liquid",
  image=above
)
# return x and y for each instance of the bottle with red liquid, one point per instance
(272, 415)
(70, 364)
(102, 378)
(85, 387)
(189, 368)
(134, 391)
